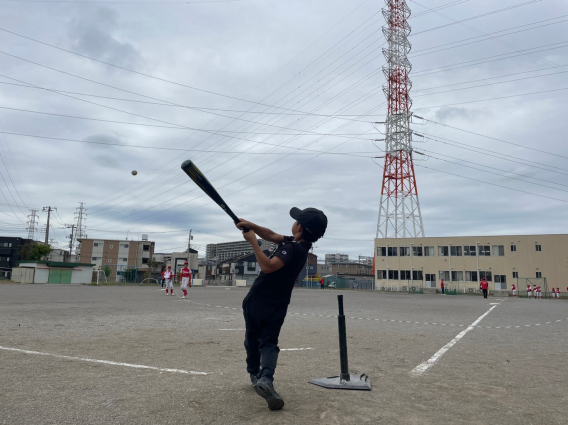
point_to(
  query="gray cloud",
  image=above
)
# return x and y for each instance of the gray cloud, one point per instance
(272, 54)
(98, 35)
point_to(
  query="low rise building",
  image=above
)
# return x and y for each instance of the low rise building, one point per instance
(52, 272)
(463, 260)
(336, 258)
(59, 255)
(121, 253)
(224, 251)
(10, 248)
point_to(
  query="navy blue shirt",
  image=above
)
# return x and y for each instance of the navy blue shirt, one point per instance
(276, 287)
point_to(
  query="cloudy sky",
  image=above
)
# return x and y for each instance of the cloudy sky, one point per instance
(275, 101)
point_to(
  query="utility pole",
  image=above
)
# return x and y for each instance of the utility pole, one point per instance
(399, 211)
(48, 210)
(32, 223)
(72, 227)
(189, 241)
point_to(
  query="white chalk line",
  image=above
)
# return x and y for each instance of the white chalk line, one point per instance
(423, 367)
(107, 362)
(232, 329)
(295, 349)
(392, 320)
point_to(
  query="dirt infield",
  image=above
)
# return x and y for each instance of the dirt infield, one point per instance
(125, 355)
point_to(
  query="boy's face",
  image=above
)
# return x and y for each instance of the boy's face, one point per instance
(297, 231)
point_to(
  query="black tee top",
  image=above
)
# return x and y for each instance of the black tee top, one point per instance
(276, 287)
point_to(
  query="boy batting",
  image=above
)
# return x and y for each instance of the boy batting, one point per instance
(266, 304)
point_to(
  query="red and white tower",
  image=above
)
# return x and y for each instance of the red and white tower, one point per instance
(399, 213)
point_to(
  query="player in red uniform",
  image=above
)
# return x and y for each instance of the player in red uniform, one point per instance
(529, 291)
(558, 293)
(185, 277)
(553, 293)
(483, 285)
(514, 290)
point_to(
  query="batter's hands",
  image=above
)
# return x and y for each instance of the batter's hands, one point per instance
(244, 223)
(250, 236)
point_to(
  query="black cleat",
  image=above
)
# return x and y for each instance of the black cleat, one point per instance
(265, 389)
(253, 379)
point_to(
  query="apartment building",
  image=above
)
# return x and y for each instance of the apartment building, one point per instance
(105, 252)
(10, 254)
(224, 251)
(464, 260)
(336, 258)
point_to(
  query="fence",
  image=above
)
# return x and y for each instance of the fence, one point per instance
(522, 283)
(336, 282)
(118, 273)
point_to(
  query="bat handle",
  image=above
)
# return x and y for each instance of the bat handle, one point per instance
(244, 228)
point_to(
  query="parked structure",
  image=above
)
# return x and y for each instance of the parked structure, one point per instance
(52, 272)
(463, 260)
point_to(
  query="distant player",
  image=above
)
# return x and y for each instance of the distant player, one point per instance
(321, 283)
(185, 277)
(539, 291)
(558, 293)
(553, 293)
(529, 291)
(514, 291)
(442, 286)
(169, 277)
(484, 285)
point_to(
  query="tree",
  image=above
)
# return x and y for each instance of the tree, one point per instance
(34, 251)
(152, 264)
(107, 271)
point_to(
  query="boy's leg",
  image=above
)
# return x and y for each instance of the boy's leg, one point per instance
(268, 346)
(251, 342)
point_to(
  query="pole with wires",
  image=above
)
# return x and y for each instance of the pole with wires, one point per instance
(48, 210)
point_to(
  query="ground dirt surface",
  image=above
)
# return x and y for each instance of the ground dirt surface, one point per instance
(509, 369)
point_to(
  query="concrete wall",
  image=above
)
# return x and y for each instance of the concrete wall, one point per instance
(82, 275)
(41, 275)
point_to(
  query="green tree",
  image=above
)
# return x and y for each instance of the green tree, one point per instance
(107, 271)
(34, 251)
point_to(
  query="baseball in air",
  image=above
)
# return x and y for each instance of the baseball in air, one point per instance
(134, 172)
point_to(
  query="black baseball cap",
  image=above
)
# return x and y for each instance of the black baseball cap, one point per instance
(312, 220)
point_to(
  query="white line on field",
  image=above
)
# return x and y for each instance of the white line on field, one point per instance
(231, 329)
(107, 362)
(423, 367)
(294, 349)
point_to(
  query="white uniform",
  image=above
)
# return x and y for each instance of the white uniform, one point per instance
(529, 292)
(185, 275)
(169, 276)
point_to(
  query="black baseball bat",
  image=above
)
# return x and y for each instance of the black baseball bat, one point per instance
(197, 176)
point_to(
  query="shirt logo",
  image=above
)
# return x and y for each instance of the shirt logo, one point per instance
(284, 252)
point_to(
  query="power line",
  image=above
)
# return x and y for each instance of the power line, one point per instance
(492, 98)
(470, 178)
(167, 148)
(505, 157)
(486, 36)
(121, 2)
(476, 17)
(489, 59)
(496, 139)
